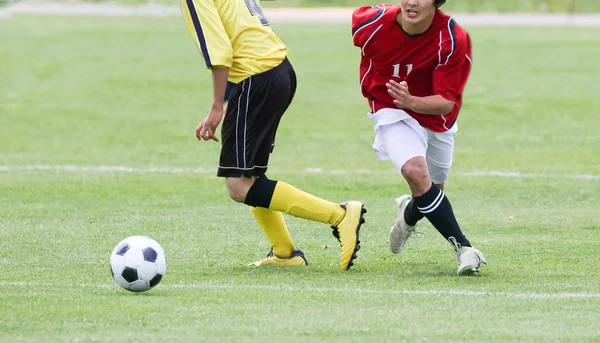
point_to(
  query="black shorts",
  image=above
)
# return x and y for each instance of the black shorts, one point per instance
(255, 108)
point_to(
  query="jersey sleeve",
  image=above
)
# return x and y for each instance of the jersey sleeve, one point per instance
(452, 72)
(206, 28)
(363, 19)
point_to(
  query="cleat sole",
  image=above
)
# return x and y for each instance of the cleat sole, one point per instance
(469, 271)
(357, 247)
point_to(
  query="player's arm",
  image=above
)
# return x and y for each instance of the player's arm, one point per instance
(206, 28)
(448, 78)
(364, 23)
(433, 104)
(228, 90)
(208, 128)
(219, 76)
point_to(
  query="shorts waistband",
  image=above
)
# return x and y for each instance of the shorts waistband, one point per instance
(281, 67)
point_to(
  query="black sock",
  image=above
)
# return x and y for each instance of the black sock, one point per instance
(261, 192)
(436, 207)
(412, 214)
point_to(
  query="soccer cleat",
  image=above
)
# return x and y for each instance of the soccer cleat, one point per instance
(296, 259)
(469, 259)
(347, 232)
(400, 231)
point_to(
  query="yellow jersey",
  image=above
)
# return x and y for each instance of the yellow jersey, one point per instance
(234, 34)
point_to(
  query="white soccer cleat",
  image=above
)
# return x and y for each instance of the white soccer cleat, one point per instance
(469, 259)
(400, 232)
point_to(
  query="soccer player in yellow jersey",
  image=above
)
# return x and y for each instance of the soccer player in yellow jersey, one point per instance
(239, 47)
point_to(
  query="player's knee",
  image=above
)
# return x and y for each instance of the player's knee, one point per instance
(236, 195)
(238, 188)
(415, 171)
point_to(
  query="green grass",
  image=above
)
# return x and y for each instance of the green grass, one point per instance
(537, 6)
(115, 92)
(461, 5)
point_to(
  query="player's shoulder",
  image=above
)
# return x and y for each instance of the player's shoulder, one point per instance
(368, 14)
(446, 23)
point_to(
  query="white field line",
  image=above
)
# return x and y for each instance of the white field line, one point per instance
(290, 289)
(339, 15)
(177, 170)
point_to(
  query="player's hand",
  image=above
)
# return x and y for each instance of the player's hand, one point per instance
(400, 93)
(207, 129)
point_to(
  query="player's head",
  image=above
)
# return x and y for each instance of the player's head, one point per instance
(417, 15)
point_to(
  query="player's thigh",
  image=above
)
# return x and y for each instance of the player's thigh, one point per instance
(440, 151)
(273, 93)
(253, 114)
(402, 142)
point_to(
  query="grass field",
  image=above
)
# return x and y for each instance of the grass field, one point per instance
(127, 94)
(581, 6)
(529, 6)
(536, 6)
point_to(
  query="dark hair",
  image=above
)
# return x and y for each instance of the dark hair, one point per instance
(439, 3)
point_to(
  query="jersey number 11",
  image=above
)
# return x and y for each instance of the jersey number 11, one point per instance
(397, 70)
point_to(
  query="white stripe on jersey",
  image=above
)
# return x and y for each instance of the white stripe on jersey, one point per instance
(440, 51)
(374, 21)
(368, 40)
(368, 70)
(452, 39)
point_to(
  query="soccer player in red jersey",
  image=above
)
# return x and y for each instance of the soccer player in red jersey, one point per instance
(415, 62)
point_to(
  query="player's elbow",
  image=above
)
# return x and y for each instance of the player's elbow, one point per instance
(445, 106)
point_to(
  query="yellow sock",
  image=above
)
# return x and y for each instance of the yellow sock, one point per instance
(274, 228)
(297, 203)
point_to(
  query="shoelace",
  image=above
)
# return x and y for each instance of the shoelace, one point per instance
(413, 233)
(456, 247)
(269, 255)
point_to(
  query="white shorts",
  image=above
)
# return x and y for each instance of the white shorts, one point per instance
(399, 137)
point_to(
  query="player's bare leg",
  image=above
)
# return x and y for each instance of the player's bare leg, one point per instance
(238, 187)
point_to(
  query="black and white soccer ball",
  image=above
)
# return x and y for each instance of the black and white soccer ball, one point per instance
(138, 263)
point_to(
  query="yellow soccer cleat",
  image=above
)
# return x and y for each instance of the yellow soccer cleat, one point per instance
(296, 259)
(347, 232)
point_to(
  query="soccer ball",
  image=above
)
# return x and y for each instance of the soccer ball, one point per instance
(138, 263)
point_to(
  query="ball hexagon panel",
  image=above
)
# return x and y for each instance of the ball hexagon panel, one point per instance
(146, 271)
(139, 286)
(134, 257)
(117, 264)
(120, 281)
(161, 264)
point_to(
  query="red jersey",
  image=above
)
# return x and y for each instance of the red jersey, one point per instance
(436, 62)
